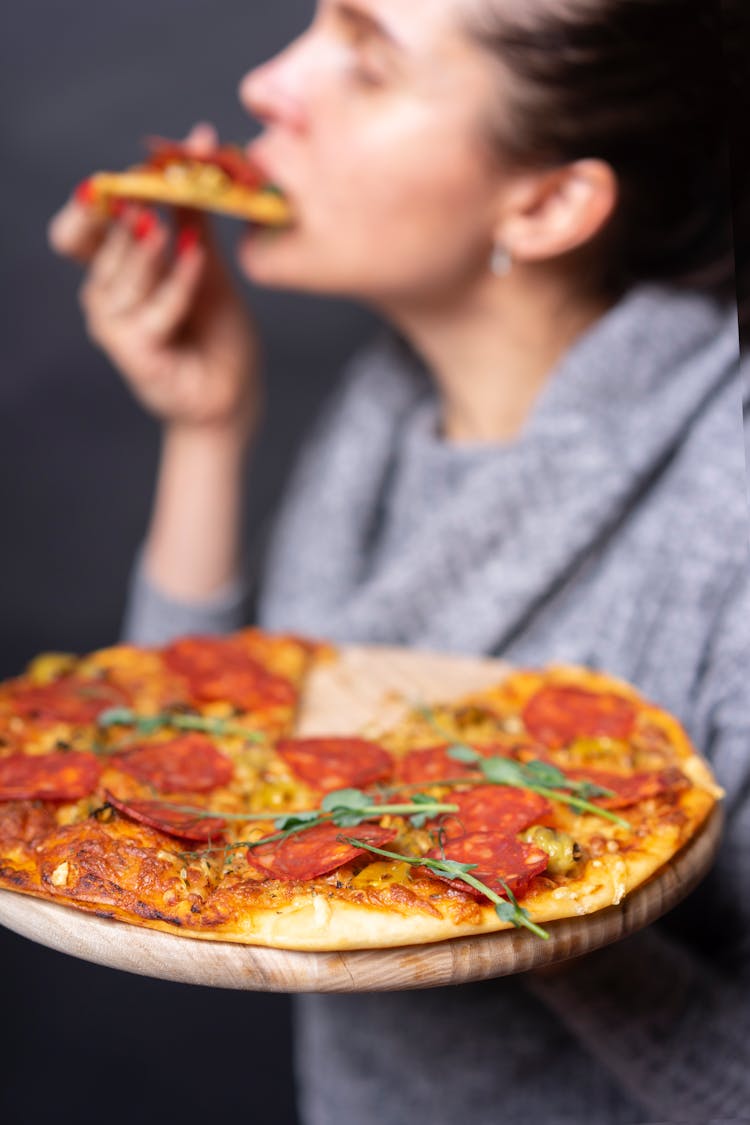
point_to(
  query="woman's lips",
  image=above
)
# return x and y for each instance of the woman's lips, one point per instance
(256, 159)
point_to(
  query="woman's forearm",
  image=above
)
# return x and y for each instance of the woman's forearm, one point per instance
(193, 544)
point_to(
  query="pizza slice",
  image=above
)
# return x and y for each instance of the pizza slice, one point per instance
(224, 182)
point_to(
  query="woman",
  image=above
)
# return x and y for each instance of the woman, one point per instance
(543, 461)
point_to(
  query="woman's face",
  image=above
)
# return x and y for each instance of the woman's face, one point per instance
(373, 129)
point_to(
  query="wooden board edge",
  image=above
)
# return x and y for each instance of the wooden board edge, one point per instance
(454, 961)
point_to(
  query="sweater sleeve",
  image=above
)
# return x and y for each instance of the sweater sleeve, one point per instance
(152, 617)
(667, 1012)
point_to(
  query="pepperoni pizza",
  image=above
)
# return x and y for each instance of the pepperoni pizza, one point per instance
(223, 181)
(166, 787)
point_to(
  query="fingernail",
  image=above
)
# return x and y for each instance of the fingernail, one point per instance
(186, 240)
(143, 225)
(85, 193)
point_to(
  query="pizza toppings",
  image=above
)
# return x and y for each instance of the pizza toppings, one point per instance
(315, 851)
(559, 713)
(227, 159)
(169, 819)
(62, 776)
(336, 763)
(431, 764)
(70, 699)
(495, 808)
(563, 851)
(23, 822)
(632, 788)
(471, 826)
(218, 669)
(189, 763)
(502, 862)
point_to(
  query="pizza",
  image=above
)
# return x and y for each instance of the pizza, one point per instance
(223, 181)
(169, 787)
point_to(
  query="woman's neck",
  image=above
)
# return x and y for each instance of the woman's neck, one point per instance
(492, 351)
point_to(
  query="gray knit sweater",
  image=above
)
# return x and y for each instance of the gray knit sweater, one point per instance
(613, 532)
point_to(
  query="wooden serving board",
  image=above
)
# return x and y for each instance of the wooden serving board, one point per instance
(366, 686)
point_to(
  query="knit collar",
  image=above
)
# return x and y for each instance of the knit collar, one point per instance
(511, 521)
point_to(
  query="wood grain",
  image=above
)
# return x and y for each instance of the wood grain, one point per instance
(367, 686)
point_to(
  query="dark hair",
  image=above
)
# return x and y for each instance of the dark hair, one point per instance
(641, 84)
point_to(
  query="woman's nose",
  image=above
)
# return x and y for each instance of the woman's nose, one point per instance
(273, 93)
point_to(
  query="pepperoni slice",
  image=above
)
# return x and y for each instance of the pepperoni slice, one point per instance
(166, 818)
(631, 789)
(335, 763)
(189, 763)
(250, 688)
(316, 851)
(430, 764)
(559, 713)
(218, 669)
(495, 808)
(497, 857)
(49, 777)
(70, 699)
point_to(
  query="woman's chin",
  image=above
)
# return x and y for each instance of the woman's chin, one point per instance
(259, 254)
(272, 258)
(278, 259)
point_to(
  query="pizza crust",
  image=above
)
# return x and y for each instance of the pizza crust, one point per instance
(262, 206)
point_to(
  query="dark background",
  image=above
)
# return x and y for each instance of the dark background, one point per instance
(82, 82)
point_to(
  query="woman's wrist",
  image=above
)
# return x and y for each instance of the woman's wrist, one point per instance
(194, 540)
(233, 434)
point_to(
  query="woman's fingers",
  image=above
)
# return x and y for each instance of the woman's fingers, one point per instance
(124, 254)
(111, 255)
(145, 267)
(126, 271)
(202, 139)
(140, 269)
(77, 230)
(174, 298)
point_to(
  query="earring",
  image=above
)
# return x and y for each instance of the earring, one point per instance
(501, 262)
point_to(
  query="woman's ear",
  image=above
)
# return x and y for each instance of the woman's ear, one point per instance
(549, 213)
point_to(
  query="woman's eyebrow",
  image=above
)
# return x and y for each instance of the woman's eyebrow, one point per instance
(362, 21)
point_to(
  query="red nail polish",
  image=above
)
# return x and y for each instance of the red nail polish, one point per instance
(143, 225)
(186, 240)
(85, 193)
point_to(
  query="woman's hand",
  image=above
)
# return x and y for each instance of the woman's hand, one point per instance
(171, 320)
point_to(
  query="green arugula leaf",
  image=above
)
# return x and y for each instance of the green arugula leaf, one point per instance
(349, 818)
(506, 911)
(293, 820)
(180, 720)
(509, 893)
(503, 771)
(460, 752)
(116, 716)
(450, 867)
(420, 819)
(345, 799)
(587, 790)
(544, 773)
